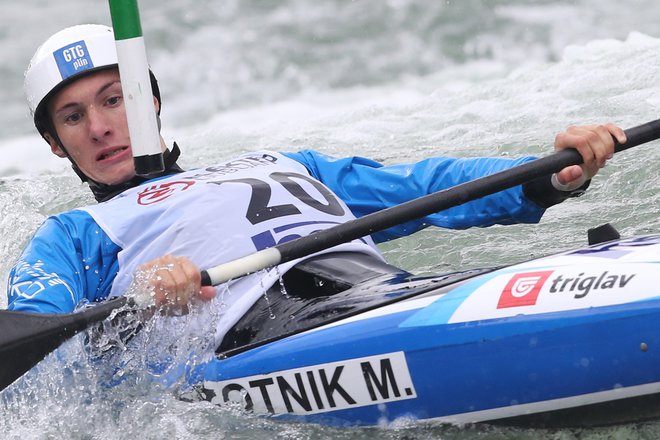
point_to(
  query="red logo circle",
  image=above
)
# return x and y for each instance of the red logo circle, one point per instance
(158, 193)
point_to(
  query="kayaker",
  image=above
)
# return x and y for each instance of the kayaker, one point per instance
(172, 224)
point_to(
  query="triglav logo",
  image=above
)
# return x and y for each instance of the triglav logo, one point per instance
(523, 289)
(158, 193)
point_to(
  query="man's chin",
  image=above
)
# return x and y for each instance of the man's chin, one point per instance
(114, 179)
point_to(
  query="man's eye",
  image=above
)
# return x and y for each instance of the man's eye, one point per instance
(113, 100)
(73, 118)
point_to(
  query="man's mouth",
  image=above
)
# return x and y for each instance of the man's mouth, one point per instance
(109, 154)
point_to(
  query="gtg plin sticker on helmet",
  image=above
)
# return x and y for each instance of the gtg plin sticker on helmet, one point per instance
(72, 59)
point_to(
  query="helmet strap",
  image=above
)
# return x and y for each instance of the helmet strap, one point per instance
(50, 129)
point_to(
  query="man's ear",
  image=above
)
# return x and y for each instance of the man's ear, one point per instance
(54, 146)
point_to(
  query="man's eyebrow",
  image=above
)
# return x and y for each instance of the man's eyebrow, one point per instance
(100, 91)
(107, 86)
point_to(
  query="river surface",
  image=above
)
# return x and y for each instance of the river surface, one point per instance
(394, 80)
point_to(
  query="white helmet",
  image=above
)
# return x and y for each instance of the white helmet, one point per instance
(70, 53)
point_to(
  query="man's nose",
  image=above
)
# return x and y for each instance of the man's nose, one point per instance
(99, 123)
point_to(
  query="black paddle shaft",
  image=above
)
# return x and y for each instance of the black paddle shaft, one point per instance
(451, 197)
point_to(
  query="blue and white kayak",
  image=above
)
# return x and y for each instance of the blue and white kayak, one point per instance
(569, 339)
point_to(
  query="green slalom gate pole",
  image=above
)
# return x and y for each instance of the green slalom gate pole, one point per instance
(136, 87)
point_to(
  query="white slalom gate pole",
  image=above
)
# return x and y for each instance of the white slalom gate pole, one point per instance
(136, 87)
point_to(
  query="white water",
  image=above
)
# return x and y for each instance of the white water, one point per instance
(395, 80)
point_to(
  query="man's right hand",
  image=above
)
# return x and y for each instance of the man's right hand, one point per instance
(175, 282)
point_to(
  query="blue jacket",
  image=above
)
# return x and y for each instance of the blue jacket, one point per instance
(71, 260)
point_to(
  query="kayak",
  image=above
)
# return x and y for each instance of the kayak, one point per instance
(564, 340)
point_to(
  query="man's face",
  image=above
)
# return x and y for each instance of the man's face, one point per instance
(90, 120)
